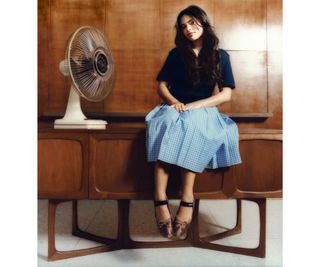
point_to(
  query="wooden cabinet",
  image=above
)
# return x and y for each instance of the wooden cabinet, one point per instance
(62, 165)
(111, 164)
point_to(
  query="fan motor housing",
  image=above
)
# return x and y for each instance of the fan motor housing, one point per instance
(101, 63)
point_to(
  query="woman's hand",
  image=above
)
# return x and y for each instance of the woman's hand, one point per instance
(180, 107)
(193, 105)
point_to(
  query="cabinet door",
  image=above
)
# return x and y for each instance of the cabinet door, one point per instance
(62, 165)
(260, 173)
(119, 167)
(209, 184)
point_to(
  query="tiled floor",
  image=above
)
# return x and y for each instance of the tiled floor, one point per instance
(94, 216)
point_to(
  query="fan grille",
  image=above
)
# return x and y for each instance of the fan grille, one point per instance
(91, 63)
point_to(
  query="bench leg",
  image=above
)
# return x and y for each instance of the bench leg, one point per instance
(124, 240)
(204, 242)
(235, 230)
(54, 254)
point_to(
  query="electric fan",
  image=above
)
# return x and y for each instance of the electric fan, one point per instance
(89, 64)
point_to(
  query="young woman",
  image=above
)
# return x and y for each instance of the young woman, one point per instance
(187, 130)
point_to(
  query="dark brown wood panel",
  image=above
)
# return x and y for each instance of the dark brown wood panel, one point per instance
(66, 16)
(135, 86)
(133, 25)
(275, 99)
(274, 34)
(62, 166)
(250, 73)
(135, 41)
(260, 173)
(141, 33)
(118, 166)
(169, 11)
(241, 24)
(58, 97)
(43, 54)
(209, 184)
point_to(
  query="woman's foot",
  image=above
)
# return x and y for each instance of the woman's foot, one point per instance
(163, 218)
(183, 219)
(184, 212)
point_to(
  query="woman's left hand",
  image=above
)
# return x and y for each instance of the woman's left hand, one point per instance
(193, 105)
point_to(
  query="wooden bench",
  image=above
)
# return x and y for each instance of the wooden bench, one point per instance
(111, 164)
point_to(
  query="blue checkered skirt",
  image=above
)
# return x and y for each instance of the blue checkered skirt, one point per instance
(195, 139)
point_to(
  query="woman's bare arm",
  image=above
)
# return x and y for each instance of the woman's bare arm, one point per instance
(168, 98)
(212, 101)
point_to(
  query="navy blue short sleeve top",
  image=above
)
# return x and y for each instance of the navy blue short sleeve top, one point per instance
(175, 74)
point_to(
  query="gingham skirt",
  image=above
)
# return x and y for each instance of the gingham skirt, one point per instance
(195, 139)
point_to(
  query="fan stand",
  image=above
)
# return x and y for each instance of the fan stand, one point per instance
(74, 118)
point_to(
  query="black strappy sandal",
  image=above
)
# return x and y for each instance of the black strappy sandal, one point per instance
(180, 228)
(165, 227)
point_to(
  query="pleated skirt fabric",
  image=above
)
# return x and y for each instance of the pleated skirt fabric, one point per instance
(195, 139)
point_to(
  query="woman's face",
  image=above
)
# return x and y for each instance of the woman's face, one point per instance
(191, 28)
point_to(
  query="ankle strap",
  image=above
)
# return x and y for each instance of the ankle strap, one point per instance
(160, 202)
(186, 204)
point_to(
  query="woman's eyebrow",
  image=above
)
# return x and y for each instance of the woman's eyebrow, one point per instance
(183, 24)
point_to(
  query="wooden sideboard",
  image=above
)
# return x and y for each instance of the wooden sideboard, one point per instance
(111, 164)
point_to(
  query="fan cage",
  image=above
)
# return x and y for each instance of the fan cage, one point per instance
(90, 63)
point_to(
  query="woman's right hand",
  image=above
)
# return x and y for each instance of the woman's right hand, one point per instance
(180, 107)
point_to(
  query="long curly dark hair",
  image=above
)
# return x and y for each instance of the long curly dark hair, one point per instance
(206, 68)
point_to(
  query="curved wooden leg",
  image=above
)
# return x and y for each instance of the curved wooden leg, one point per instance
(123, 225)
(54, 254)
(124, 240)
(235, 230)
(259, 251)
(83, 234)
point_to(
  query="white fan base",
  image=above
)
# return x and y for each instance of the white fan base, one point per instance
(74, 118)
(84, 124)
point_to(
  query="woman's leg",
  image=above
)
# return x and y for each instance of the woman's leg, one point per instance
(161, 175)
(188, 178)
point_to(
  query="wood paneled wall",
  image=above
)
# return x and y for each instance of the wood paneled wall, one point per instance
(141, 32)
